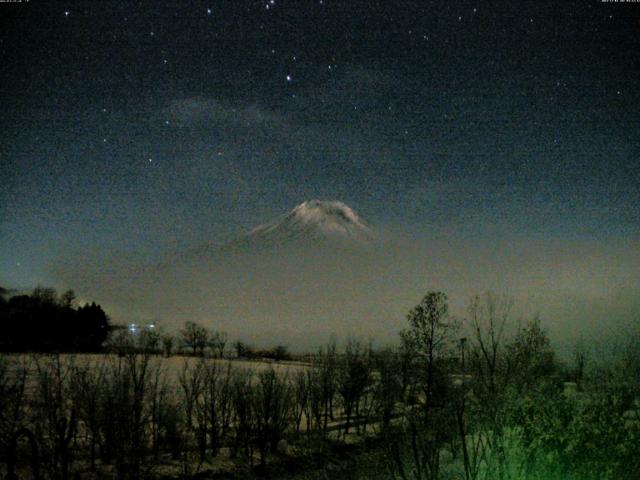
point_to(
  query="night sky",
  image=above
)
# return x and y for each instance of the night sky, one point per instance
(152, 127)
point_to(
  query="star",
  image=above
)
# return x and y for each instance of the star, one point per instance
(67, 13)
(289, 78)
(209, 11)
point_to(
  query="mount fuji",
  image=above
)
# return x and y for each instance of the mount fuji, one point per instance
(313, 225)
(319, 269)
(315, 220)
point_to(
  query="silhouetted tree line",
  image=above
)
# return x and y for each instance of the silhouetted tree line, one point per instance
(47, 322)
(278, 353)
(479, 398)
(507, 409)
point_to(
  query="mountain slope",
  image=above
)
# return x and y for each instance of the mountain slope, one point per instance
(312, 225)
(318, 220)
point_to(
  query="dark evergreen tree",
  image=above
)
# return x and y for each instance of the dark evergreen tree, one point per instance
(45, 322)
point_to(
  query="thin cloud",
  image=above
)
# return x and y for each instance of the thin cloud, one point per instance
(198, 111)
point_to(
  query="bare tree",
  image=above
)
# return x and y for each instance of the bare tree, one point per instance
(353, 379)
(195, 337)
(300, 399)
(129, 389)
(242, 394)
(426, 428)
(192, 382)
(322, 388)
(272, 407)
(429, 336)
(217, 397)
(217, 342)
(388, 388)
(55, 413)
(13, 402)
(87, 389)
(496, 367)
(167, 344)
(530, 357)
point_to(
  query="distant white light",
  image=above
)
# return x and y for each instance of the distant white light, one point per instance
(289, 78)
(209, 11)
(67, 13)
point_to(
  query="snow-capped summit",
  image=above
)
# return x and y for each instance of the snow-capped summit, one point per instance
(317, 220)
(311, 225)
(318, 211)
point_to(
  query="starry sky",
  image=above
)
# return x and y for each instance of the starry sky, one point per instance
(154, 126)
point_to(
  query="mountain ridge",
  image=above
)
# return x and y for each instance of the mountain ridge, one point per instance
(312, 223)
